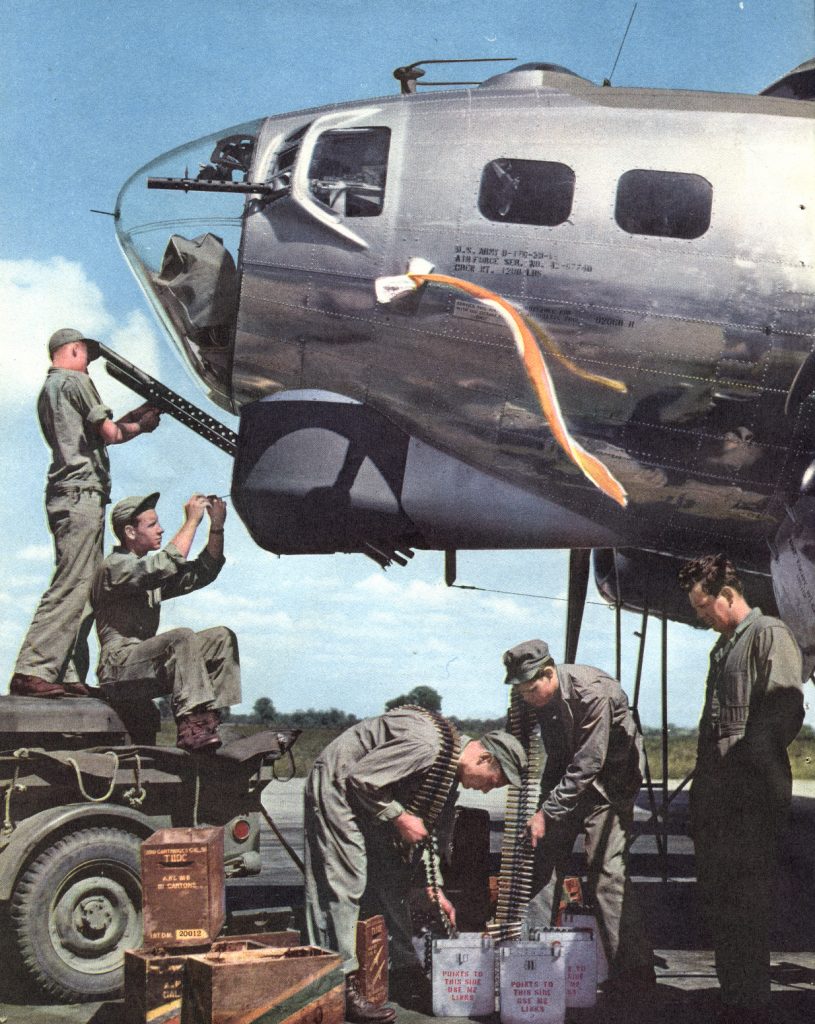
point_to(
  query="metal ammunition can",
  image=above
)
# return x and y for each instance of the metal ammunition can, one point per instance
(464, 976)
(532, 983)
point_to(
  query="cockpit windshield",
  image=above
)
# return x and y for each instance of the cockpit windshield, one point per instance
(184, 249)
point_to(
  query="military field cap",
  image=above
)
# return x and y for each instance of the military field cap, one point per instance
(124, 510)
(66, 335)
(509, 753)
(524, 661)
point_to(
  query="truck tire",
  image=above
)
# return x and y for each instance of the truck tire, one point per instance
(75, 910)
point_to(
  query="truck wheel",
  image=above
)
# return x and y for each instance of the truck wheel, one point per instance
(76, 909)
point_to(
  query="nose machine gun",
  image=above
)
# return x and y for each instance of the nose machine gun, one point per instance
(169, 401)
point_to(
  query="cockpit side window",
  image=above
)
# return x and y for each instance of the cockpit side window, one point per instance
(526, 192)
(349, 169)
(669, 204)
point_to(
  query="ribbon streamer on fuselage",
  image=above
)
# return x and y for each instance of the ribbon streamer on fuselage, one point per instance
(540, 379)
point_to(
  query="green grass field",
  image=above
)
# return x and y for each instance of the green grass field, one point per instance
(681, 749)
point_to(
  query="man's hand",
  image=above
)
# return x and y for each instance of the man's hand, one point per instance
(536, 828)
(217, 511)
(148, 420)
(410, 827)
(195, 508)
(445, 904)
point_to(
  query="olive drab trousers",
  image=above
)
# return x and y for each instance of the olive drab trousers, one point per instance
(192, 668)
(735, 842)
(606, 828)
(349, 867)
(56, 644)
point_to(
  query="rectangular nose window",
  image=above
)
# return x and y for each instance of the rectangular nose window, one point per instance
(526, 192)
(664, 203)
(348, 170)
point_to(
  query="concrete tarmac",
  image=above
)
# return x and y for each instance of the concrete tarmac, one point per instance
(686, 992)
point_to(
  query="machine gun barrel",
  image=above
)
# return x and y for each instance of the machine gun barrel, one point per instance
(169, 401)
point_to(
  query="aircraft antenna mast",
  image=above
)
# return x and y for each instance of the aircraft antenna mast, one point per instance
(607, 81)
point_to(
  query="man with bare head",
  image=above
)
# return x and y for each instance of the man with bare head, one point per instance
(742, 784)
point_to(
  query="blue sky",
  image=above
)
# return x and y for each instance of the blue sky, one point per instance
(92, 90)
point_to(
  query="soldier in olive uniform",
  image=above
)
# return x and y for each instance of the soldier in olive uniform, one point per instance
(742, 785)
(589, 784)
(355, 818)
(199, 670)
(77, 427)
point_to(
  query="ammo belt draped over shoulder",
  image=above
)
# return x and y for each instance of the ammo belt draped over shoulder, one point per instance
(429, 799)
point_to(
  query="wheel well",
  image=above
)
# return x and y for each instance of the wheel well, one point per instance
(35, 834)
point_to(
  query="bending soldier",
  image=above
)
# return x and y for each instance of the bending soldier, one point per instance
(742, 784)
(200, 671)
(77, 426)
(357, 796)
(589, 784)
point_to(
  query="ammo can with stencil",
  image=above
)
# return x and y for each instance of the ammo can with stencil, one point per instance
(532, 983)
(464, 976)
(580, 952)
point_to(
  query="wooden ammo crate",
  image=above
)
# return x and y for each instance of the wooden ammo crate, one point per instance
(153, 977)
(300, 985)
(372, 953)
(183, 895)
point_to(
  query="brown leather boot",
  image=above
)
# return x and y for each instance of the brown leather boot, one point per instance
(32, 686)
(198, 732)
(359, 1011)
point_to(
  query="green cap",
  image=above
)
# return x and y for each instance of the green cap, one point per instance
(67, 335)
(509, 753)
(126, 509)
(524, 661)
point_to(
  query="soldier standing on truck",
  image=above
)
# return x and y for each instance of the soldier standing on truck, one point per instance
(200, 671)
(77, 426)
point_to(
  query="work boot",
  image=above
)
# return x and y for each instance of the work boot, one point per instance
(32, 686)
(359, 1011)
(410, 987)
(198, 732)
(76, 689)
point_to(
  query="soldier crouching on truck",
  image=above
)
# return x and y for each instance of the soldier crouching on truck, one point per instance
(200, 671)
(78, 427)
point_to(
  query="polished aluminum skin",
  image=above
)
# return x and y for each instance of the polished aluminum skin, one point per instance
(707, 333)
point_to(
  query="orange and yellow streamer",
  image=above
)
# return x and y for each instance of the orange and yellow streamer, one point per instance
(538, 374)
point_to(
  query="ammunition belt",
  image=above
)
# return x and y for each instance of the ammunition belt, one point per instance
(517, 855)
(428, 801)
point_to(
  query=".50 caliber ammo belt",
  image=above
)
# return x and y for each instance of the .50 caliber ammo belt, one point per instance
(517, 855)
(429, 799)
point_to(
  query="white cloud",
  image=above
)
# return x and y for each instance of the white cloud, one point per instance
(36, 553)
(39, 297)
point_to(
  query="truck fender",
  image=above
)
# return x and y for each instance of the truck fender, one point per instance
(30, 834)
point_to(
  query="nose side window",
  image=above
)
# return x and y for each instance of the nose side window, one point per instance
(668, 204)
(349, 169)
(526, 191)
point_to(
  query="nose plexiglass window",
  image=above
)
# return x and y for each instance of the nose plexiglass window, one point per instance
(182, 238)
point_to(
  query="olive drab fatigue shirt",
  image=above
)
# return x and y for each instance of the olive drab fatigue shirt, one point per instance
(754, 707)
(128, 591)
(591, 740)
(70, 410)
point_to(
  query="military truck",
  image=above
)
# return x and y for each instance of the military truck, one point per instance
(82, 784)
